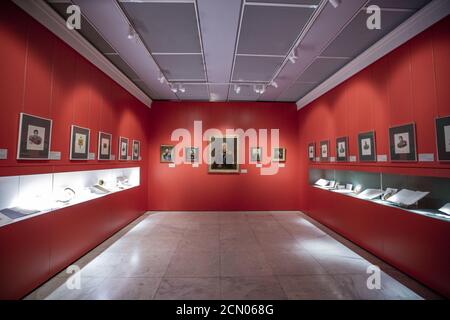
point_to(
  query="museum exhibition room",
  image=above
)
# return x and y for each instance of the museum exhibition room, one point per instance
(222, 150)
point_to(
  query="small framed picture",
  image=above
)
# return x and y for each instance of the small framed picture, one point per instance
(136, 150)
(255, 154)
(279, 155)
(342, 149)
(324, 150)
(366, 146)
(223, 154)
(312, 151)
(191, 154)
(166, 153)
(35, 134)
(443, 138)
(104, 146)
(402, 143)
(123, 148)
(79, 143)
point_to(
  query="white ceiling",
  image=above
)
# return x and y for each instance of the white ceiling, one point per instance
(208, 46)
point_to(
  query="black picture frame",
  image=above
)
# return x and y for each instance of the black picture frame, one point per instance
(136, 150)
(402, 143)
(342, 149)
(325, 150)
(35, 135)
(312, 151)
(367, 147)
(256, 154)
(191, 154)
(279, 154)
(79, 143)
(104, 146)
(123, 148)
(443, 138)
(166, 153)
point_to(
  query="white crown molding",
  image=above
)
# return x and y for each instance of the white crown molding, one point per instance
(424, 18)
(45, 15)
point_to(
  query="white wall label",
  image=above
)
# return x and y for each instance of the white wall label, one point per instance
(259, 165)
(128, 158)
(91, 156)
(171, 165)
(244, 171)
(317, 159)
(55, 155)
(352, 158)
(3, 154)
(382, 158)
(113, 157)
(332, 159)
(281, 165)
(426, 157)
(140, 158)
(195, 165)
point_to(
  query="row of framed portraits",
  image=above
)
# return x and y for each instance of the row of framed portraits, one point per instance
(35, 135)
(402, 144)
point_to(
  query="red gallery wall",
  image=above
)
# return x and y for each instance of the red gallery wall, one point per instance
(411, 84)
(187, 188)
(41, 75)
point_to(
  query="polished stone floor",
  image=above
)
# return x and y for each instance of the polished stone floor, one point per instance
(224, 255)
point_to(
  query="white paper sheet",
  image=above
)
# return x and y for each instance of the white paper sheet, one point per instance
(371, 194)
(322, 182)
(407, 197)
(445, 209)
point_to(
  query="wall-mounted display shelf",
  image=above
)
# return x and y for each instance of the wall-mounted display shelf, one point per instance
(428, 196)
(26, 196)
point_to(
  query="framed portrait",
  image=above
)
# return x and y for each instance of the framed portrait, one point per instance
(255, 154)
(136, 150)
(104, 146)
(443, 138)
(324, 150)
(312, 151)
(123, 148)
(223, 154)
(366, 146)
(191, 154)
(35, 134)
(402, 143)
(279, 154)
(166, 153)
(342, 149)
(79, 143)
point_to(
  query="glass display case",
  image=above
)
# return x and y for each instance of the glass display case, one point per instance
(429, 196)
(23, 197)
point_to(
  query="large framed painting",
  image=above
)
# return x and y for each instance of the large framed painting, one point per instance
(79, 143)
(191, 154)
(123, 148)
(104, 146)
(166, 153)
(443, 138)
(324, 150)
(342, 149)
(35, 135)
(312, 151)
(136, 150)
(366, 146)
(402, 143)
(223, 154)
(279, 154)
(255, 154)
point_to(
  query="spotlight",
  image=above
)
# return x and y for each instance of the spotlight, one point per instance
(237, 89)
(173, 89)
(292, 57)
(274, 84)
(161, 77)
(263, 89)
(255, 88)
(334, 3)
(181, 88)
(131, 33)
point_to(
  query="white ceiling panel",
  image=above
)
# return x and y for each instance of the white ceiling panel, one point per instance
(356, 37)
(271, 30)
(400, 4)
(182, 67)
(255, 68)
(165, 27)
(321, 69)
(296, 91)
(246, 94)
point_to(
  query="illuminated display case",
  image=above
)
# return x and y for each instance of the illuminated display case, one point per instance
(26, 196)
(433, 192)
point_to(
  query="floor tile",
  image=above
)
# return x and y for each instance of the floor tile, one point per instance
(317, 287)
(251, 288)
(189, 289)
(194, 264)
